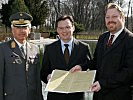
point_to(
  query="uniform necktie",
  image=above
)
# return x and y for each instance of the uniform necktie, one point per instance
(22, 50)
(66, 53)
(110, 40)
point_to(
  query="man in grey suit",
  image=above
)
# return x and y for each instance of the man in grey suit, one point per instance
(77, 58)
(19, 63)
(113, 58)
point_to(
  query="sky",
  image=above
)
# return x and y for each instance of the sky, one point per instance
(3, 1)
(126, 7)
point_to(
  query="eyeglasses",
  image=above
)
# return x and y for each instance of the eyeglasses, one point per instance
(65, 28)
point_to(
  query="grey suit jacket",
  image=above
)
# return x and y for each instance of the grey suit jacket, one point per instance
(54, 59)
(15, 82)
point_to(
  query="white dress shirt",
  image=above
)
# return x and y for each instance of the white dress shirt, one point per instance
(69, 47)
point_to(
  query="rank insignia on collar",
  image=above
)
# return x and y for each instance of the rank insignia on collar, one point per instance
(13, 44)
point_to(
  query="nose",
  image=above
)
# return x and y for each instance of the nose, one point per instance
(64, 30)
(22, 29)
(110, 19)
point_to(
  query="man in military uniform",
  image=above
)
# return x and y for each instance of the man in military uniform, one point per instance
(19, 63)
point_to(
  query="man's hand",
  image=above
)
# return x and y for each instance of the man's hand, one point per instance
(95, 87)
(76, 68)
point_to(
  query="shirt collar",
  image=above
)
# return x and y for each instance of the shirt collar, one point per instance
(19, 44)
(117, 33)
(69, 43)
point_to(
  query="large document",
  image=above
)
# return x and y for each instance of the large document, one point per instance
(66, 82)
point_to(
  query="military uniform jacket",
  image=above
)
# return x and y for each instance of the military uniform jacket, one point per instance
(15, 82)
(114, 67)
(54, 59)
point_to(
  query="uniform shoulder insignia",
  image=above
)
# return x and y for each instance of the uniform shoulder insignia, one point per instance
(13, 44)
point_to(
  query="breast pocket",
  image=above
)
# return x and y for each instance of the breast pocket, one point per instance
(14, 59)
(11, 63)
(8, 92)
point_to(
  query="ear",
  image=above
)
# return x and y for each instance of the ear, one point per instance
(73, 28)
(12, 30)
(123, 19)
(29, 30)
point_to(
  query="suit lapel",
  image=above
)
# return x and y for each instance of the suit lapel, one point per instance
(58, 50)
(106, 41)
(16, 48)
(60, 54)
(74, 51)
(29, 49)
(117, 41)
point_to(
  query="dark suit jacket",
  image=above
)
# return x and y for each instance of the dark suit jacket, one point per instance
(15, 82)
(54, 59)
(114, 67)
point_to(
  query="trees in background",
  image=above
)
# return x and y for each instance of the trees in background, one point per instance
(18, 6)
(37, 8)
(6, 12)
(90, 13)
(87, 13)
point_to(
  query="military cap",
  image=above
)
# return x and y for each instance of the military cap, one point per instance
(20, 19)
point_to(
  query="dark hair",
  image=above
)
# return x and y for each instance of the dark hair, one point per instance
(64, 18)
(113, 5)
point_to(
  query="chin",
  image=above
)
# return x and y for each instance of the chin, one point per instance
(111, 29)
(22, 38)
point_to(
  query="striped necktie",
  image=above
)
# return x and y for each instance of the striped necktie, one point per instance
(22, 50)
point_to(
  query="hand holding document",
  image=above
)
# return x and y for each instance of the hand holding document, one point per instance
(66, 82)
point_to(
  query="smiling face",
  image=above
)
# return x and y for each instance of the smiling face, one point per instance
(114, 20)
(20, 33)
(65, 30)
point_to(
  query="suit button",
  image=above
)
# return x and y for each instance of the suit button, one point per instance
(5, 94)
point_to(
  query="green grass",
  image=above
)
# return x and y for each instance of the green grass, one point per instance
(87, 37)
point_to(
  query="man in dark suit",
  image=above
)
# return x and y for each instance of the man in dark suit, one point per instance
(55, 56)
(113, 58)
(19, 63)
